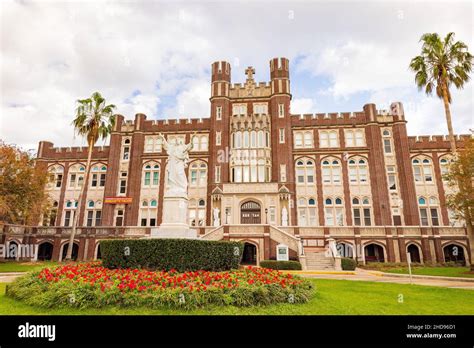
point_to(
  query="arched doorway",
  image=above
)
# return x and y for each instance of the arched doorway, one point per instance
(250, 213)
(454, 253)
(75, 251)
(345, 250)
(45, 251)
(249, 256)
(98, 254)
(373, 253)
(414, 252)
(13, 251)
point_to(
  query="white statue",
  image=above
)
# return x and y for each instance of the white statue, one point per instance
(217, 221)
(178, 158)
(284, 217)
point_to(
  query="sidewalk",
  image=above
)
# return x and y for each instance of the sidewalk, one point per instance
(375, 276)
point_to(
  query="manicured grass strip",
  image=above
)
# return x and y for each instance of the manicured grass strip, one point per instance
(331, 297)
(14, 266)
(434, 271)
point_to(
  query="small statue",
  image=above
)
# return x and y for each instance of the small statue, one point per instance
(217, 221)
(284, 217)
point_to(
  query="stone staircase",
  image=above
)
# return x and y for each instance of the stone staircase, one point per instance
(319, 261)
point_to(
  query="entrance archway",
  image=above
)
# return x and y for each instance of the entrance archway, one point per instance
(75, 251)
(249, 256)
(414, 252)
(98, 254)
(374, 253)
(250, 213)
(454, 253)
(45, 251)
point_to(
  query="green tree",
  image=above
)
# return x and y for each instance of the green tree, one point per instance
(461, 178)
(442, 63)
(94, 119)
(22, 196)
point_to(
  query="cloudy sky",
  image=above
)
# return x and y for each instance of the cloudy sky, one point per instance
(154, 57)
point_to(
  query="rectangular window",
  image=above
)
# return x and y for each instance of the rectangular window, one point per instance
(143, 222)
(193, 177)
(67, 218)
(424, 217)
(282, 172)
(123, 186)
(152, 222)
(94, 180)
(147, 178)
(90, 218)
(427, 173)
(392, 182)
(352, 174)
(387, 145)
(300, 175)
(333, 141)
(434, 217)
(155, 178)
(218, 174)
(339, 217)
(367, 221)
(359, 138)
(326, 174)
(119, 218)
(98, 217)
(126, 153)
(72, 181)
(329, 216)
(282, 135)
(218, 138)
(59, 180)
(281, 110)
(357, 220)
(219, 112)
(323, 139)
(80, 180)
(102, 180)
(417, 173)
(349, 139)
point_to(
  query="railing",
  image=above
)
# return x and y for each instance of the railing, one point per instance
(215, 234)
(285, 238)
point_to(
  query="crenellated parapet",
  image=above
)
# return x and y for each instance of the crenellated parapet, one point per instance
(435, 142)
(46, 150)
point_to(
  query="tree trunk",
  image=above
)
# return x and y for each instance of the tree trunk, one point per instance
(470, 236)
(79, 203)
(447, 112)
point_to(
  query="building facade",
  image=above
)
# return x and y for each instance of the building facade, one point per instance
(260, 174)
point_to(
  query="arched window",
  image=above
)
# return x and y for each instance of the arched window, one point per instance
(428, 208)
(354, 137)
(148, 213)
(204, 143)
(253, 139)
(261, 139)
(197, 212)
(387, 142)
(93, 214)
(333, 212)
(298, 139)
(422, 170)
(361, 210)
(444, 163)
(238, 140)
(126, 150)
(55, 176)
(328, 138)
(358, 170)
(151, 174)
(305, 171)
(331, 171)
(69, 212)
(98, 175)
(76, 176)
(198, 174)
(308, 139)
(307, 212)
(246, 142)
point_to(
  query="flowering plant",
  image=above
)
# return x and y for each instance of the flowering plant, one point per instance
(91, 284)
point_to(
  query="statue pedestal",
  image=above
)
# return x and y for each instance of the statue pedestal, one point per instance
(174, 225)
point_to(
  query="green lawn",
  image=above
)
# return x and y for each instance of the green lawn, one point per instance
(331, 297)
(433, 271)
(14, 266)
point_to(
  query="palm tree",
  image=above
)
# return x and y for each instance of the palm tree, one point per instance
(94, 119)
(441, 64)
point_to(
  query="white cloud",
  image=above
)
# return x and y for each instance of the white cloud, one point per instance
(303, 106)
(65, 50)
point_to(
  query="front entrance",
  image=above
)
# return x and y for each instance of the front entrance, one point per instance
(249, 256)
(250, 213)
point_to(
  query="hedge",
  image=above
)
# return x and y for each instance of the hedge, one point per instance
(281, 265)
(348, 264)
(166, 254)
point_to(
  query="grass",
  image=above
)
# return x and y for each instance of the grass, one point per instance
(14, 266)
(435, 271)
(331, 297)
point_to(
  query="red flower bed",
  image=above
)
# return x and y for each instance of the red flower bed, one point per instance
(143, 280)
(91, 285)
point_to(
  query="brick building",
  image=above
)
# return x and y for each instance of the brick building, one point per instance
(303, 182)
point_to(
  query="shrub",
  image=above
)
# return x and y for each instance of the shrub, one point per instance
(165, 254)
(348, 264)
(281, 265)
(89, 285)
